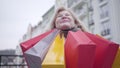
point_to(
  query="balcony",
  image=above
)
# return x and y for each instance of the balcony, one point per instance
(12, 61)
(81, 13)
(91, 22)
(105, 32)
(74, 3)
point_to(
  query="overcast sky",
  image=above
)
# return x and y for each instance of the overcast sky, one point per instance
(15, 16)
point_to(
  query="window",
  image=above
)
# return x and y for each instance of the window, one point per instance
(79, 9)
(101, 1)
(90, 18)
(105, 29)
(91, 22)
(92, 29)
(70, 2)
(105, 32)
(104, 11)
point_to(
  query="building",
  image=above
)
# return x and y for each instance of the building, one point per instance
(106, 18)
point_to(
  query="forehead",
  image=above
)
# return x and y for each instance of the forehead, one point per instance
(63, 12)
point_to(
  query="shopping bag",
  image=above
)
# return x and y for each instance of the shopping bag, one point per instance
(35, 54)
(79, 50)
(31, 42)
(55, 55)
(116, 63)
(105, 51)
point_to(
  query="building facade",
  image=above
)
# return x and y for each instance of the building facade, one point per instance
(106, 18)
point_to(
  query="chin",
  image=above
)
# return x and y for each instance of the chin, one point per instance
(65, 27)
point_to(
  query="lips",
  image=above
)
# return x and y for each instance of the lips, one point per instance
(65, 20)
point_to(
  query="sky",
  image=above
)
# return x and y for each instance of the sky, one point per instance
(16, 15)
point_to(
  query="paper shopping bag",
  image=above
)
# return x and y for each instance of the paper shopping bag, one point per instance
(116, 63)
(105, 51)
(35, 54)
(31, 42)
(55, 55)
(79, 50)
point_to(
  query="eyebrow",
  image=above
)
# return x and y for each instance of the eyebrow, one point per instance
(65, 13)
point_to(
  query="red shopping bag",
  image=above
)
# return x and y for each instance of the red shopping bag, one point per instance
(31, 42)
(105, 51)
(79, 51)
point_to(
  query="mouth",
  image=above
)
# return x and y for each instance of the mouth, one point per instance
(65, 20)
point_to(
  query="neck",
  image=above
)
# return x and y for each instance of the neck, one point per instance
(65, 32)
(68, 29)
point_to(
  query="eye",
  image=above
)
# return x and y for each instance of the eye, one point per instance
(67, 14)
(59, 15)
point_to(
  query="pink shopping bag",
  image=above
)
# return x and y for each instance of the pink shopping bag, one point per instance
(79, 50)
(105, 51)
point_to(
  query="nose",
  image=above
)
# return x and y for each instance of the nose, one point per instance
(64, 17)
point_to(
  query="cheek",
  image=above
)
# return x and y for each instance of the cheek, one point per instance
(72, 21)
(57, 22)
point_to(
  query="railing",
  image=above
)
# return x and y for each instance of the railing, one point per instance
(12, 61)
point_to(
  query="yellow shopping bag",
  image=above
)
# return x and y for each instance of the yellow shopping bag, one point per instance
(116, 63)
(55, 55)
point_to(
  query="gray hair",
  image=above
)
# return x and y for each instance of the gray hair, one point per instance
(77, 21)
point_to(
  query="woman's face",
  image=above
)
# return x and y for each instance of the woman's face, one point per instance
(64, 20)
